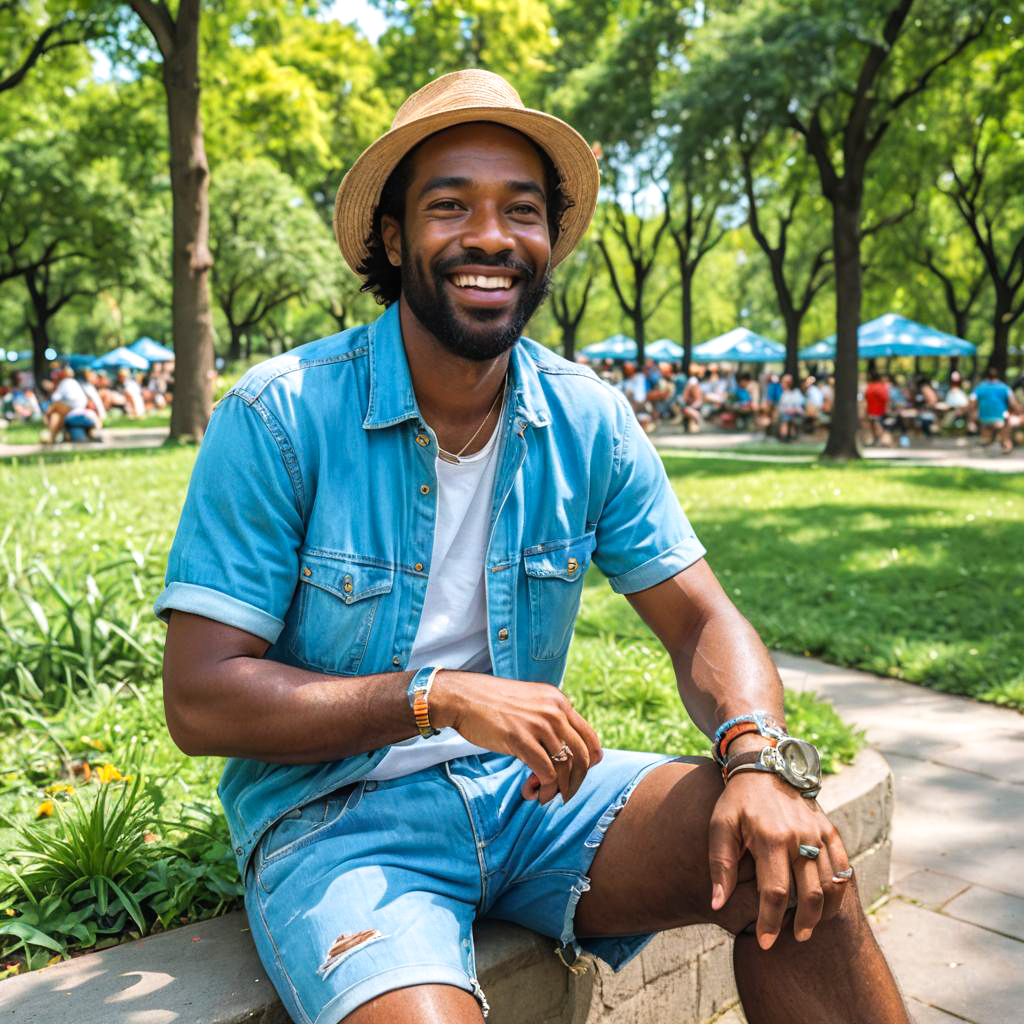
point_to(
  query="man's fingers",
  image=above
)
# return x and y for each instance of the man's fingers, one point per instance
(587, 734)
(840, 874)
(810, 897)
(773, 890)
(579, 762)
(724, 852)
(535, 757)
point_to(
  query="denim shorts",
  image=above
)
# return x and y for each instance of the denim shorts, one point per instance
(376, 886)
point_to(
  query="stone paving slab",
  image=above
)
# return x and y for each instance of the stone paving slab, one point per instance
(963, 970)
(928, 888)
(988, 908)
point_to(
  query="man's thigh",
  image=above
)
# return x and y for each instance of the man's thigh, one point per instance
(651, 871)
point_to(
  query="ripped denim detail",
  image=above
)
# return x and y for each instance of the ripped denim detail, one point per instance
(568, 950)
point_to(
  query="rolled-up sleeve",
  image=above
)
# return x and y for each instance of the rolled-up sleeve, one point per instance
(235, 554)
(643, 535)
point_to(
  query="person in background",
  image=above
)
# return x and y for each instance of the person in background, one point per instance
(73, 408)
(814, 403)
(955, 404)
(791, 409)
(661, 391)
(127, 385)
(926, 402)
(20, 403)
(901, 413)
(876, 402)
(741, 401)
(771, 392)
(634, 387)
(996, 406)
(714, 393)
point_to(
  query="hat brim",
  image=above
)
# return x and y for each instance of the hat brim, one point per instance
(361, 187)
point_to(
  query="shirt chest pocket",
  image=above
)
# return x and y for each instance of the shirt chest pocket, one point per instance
(554, 578)
(338, 603)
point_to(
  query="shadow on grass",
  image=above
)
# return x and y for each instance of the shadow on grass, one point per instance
(871, 586)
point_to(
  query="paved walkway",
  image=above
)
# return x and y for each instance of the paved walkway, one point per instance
(126, 437)
(943, 451)
(954, 927)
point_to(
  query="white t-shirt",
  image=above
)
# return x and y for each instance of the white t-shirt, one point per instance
(635, 387)
(71, 392)
(453, 626)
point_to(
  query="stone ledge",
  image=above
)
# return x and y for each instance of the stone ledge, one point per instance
(209, 973)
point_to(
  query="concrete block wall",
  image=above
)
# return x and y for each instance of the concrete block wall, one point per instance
(209, 973)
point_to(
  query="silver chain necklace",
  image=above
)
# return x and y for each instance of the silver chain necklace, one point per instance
(455, 457)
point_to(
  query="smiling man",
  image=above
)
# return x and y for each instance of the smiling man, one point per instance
(370, 601)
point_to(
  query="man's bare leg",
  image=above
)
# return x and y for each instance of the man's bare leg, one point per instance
(651, 873)
(420, 1004)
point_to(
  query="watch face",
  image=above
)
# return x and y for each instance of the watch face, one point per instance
(802, 766)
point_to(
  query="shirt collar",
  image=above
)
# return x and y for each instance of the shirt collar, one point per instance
(392, 399)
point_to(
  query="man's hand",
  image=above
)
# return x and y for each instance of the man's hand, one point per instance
(761, 813)
(530, 721)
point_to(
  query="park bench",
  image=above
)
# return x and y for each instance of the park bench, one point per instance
(208, 973)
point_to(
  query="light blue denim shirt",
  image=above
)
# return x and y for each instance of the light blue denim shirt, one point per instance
(309, 522)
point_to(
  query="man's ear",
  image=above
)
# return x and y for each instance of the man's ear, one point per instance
(391, 236)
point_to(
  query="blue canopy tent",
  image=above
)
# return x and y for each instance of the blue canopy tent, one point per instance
(740, 346)
(893, 335)
(151, 350)
(618, 346)
(120, 358)
(664, 350)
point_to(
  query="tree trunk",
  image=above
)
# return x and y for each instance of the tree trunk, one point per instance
(191, 314)
(999, 357)
(686, 280)
(38, 325)
(235, 344)
(842, 432)
(640, 334)
(792, 364)
(569, 341)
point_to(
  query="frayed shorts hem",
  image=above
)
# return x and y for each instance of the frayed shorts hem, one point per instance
(393, 978)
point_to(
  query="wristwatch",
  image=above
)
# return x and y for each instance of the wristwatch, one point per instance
(794, 761)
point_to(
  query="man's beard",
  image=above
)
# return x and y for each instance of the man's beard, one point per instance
(479, 340)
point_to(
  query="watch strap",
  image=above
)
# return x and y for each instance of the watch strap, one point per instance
(418, 695)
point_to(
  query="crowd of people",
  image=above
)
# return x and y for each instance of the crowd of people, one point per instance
(893, 406)
(74, 404)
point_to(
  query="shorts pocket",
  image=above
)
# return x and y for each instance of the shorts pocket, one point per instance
(554, 574)
(338, 603)
(302, 826)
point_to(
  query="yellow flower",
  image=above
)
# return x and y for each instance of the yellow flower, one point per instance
(45, 809)
(86, 771)
(59, 787)
(9, 911)
(108, 773)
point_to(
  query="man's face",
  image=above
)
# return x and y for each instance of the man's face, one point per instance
(475, 251)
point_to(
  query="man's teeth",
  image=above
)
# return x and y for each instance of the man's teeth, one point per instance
(481, 281)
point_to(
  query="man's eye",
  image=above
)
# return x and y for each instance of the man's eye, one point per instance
(525, 209)
(444, 204)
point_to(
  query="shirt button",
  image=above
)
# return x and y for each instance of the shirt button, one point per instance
(418, 567)
(307, 571)
(422, 440)
(424, 489)
(396, 661)
(502, 633)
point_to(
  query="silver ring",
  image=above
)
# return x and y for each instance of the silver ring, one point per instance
(842, 876)
(808, 851)
(561, 755)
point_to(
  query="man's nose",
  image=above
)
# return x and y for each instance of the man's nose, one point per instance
(487, 230)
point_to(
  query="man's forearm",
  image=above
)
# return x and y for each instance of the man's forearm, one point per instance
(257, 708)
(724, 670)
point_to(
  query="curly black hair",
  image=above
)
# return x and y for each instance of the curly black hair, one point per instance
(383, 280)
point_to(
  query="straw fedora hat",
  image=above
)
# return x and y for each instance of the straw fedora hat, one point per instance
(457, 98)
